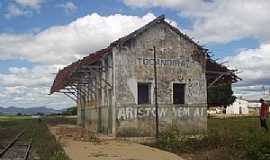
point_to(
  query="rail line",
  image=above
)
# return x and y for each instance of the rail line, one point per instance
(16, 149)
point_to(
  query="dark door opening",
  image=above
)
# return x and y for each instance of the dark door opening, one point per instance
(178, 93)
(144, 93)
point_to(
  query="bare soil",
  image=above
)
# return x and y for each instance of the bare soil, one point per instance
(78, 145)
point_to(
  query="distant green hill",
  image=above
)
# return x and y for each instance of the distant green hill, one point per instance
(28, 111)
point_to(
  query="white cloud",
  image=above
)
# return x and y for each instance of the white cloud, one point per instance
(14, 11)
(64, 44)
(34, 4)
(51, 49)
(22, 8)
(253, 92)
(253, 66)
(37, 76)
(219, 21)
(29, 87)
(69, 7)
(33, 97)
(256, 63)
(174, 4)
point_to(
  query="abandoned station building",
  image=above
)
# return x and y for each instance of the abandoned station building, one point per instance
(114, 87)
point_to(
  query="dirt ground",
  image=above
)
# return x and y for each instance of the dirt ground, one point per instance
(78, 147)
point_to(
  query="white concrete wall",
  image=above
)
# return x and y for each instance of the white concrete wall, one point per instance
(238, 107)
(254, 105)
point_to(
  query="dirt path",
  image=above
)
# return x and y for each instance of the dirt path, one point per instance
(108, 149)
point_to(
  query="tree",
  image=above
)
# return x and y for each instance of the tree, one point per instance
(220, 96)
(70, 111)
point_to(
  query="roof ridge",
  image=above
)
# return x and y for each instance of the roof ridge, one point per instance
(138, 31)
(158, 19)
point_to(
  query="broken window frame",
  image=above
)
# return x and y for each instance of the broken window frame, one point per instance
(149, 90)
(174, 94)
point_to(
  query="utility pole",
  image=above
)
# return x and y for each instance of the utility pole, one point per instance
(264, 92)
(269, 94)
(156, 98)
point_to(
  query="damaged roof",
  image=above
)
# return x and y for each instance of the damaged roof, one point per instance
(64, 76)
(218, 74)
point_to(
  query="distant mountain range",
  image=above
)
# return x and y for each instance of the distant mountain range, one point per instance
(28, 111)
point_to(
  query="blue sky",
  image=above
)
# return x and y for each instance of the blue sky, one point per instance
(51, 14)
(38, 37)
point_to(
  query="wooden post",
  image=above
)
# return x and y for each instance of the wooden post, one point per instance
(156, 96)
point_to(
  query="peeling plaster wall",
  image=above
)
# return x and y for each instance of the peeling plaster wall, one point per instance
(96, 114)
(176, 64)
(134, 120)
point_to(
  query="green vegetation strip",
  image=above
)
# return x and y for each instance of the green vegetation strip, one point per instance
(226, 139)
(44, 144)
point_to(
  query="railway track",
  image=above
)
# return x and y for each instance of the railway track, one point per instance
(15, 150)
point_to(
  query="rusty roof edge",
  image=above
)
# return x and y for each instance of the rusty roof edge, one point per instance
(221, 66)
(54, 88)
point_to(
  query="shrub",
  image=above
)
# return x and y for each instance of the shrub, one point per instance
(60, 155)
(258, 146)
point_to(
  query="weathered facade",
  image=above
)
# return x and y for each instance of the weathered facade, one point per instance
(175, 65)
(114, 87)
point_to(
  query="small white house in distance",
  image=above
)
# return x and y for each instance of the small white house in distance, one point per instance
(240, 106)
(254, 107)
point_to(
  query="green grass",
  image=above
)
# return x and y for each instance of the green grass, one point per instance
(12, 118)
(226, 139)
(44, 145)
